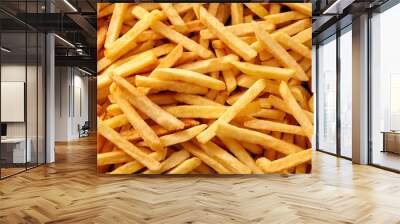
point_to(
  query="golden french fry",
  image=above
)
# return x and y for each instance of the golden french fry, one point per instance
(241, 30)
(172, 161)
(173, 35)
(168, 61)
(274, 126)
(126, 146)
(257, 8)
(232, 41)
(285, 162)
(255, 137)
(176, 74)
(204, 169)
(143, 81)
(278, 52)
(223, 13)
(137, 63)
(297, 111)
(265, 72)
(116, 21)
(304, 8)
(290, 30)
(222, 156)
(253, 148)
(116, 121)
(143, 129)
(132, 134)
(311, 103)
(297, 47)
(135, 166)
(241, 154)
(163, 98)
(188, 16)
(213, 8)
(247, 81)
(186, 166)
(134, 64)
(211, 65)
(196, 111)
(194, 99)
(278, 103)
(179, 137)
(274, 8)
(172, 57)
(233, 110)
(149, 108)
(112, 158)
(101, 36)
(284, 17)
(236, 13)
(205, 158)
(126, 42)
(303, 36)
(270, 114)
(174, 17)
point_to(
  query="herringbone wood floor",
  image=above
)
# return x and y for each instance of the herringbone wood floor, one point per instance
(70, 191)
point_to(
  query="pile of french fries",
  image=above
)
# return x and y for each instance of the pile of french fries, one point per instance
(194, 88)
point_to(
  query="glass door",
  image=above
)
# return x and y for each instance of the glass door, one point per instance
(22, 89)
(14, 153)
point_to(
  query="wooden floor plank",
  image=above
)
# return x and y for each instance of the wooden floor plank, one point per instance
(70, 191)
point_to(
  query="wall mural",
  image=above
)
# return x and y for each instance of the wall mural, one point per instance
(194, 88)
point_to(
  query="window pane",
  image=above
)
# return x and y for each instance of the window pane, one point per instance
(41, 98)
(385, 89)
(31, 97)
(14, 153)
(327, 96)
(346, 94)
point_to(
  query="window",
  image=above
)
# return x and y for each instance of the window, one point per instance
(385, 89)
(346, 75)
(327, 95)
(22, 76)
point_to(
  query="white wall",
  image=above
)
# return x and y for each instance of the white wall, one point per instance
(67, 114)
(33, 127)
(61, 103)
(9, 73)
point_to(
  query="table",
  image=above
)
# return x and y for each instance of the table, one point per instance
(391, 141)
(17, 151)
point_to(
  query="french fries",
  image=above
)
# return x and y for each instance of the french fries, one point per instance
(266, 72)
(218, 29)
(233, 110)
(137, 122)
(115, 26)
(149, 108)
(204, 88)
(189, 77)
(173, 160)
(271, 45)
(297, 111)
(227, 130)
(122, 45)
(125, 145)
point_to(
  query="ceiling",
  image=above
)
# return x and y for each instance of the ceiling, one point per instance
(72, 20)
(332, 15)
